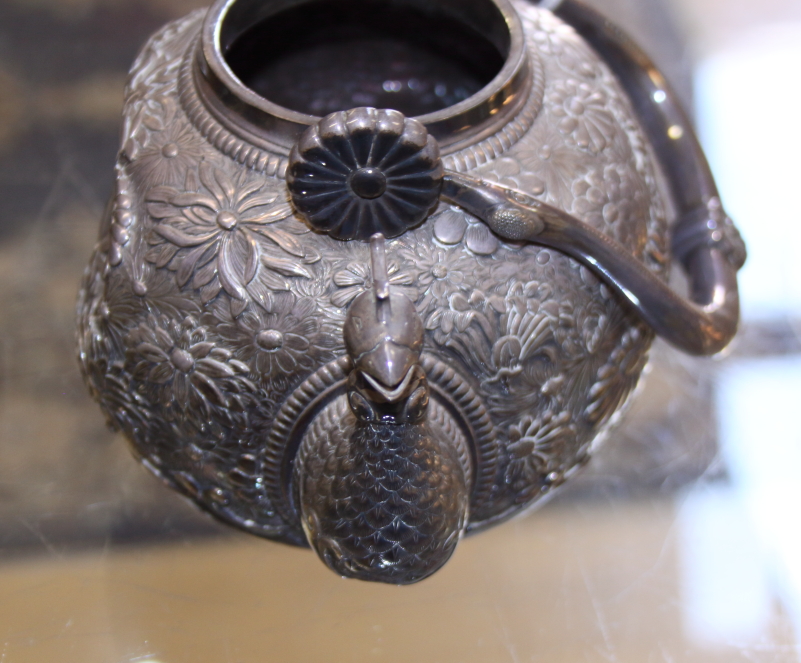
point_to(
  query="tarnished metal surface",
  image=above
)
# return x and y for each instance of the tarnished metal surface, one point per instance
(211, 317)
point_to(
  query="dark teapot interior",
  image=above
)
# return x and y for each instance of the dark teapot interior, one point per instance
(330, 55)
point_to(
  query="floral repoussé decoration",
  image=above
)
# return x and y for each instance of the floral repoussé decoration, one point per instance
(285, 342)
(536, 448)
(221, 237)
(181, 368)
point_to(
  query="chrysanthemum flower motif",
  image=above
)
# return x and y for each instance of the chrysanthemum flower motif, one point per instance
(454, 226)
(356, 278)
(609, 200)
(169, 152)
(181, 367)
(583, 115)
(535, 449)
(215, 237)
(285, 342)
(365, 171)
(439, 271)
(617, 378)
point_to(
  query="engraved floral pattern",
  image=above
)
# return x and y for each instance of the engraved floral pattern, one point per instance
(608, 198)
(527, 325)
(220, 237)
(356, 277)
(524, 324)
(582, 114)
(125, 408)
(170, 149)
(284, 343)
(509, 172)
(184, 369)
(537, 448)
(438, 271)
(554, 163)
(618, 377)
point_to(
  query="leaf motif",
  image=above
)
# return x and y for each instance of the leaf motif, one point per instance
(480, 240)
(533, 343)
(238, 306)
(152, 122)
(208, 179)
(448, 321)
(284, 266)
(253, 252)
(506, 352)
(162, 254)
(204, 275)
(261, 294)
(189, 199)
(247, 190)
(161, 210)
(278, 213)
(311, 255)
(180, 238)
(161, 373)
(450, 226)
(206, 386)
(162, 337)
(229, 269)
(343, 297)
(239, 366)
(274, 281)
(210, 291)
(151, 352)
(214, 368)
(201, 350)
(432, 322)
(161, 194)
(463, 321)
(227, 186)
(284, 240)
(354, 274)
(187, 266)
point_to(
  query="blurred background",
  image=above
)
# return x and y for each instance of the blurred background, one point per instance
(680, 542)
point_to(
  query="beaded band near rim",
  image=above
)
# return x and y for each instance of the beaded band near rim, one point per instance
(258, 153)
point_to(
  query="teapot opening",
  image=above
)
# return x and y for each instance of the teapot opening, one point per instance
(331, 55)
(268, 69)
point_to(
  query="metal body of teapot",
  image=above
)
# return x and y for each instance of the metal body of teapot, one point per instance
(372, 334)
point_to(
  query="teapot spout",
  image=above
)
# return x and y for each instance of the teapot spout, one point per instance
(382, 490)
(382, 502)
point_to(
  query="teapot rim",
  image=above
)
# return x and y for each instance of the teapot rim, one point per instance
(455, 126)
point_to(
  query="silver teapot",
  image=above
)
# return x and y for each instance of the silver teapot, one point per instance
(337, 326)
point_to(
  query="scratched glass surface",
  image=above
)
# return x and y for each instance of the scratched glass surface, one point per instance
(679, 543)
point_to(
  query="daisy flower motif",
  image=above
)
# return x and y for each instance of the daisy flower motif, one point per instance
(181, 367)
(535, 448)
(582, 115)
(222, 236)
(283, 343)
(439, 271)
(608, 199)
(168, 154)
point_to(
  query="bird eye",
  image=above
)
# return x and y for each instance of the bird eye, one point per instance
(361, 406)
(417, 405)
